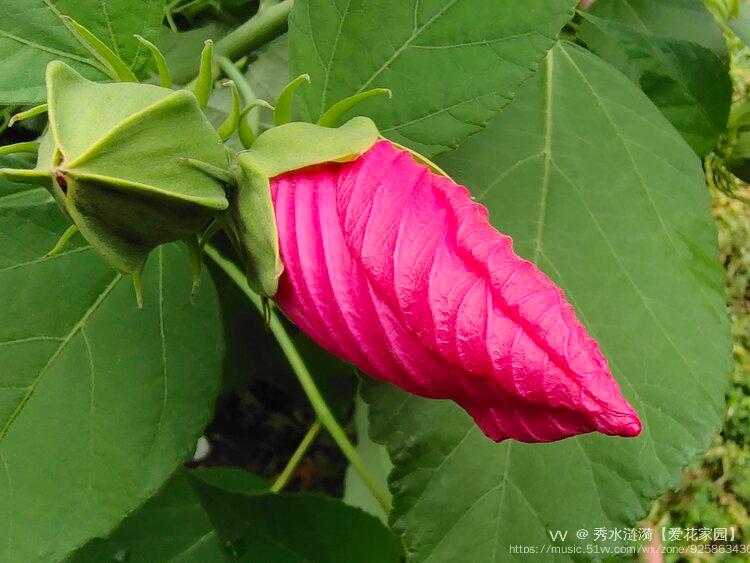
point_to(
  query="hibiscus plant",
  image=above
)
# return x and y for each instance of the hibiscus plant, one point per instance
(474, 235)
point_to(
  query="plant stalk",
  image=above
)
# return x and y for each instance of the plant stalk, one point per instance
(267, 24)
(293, 462)
(305, 379)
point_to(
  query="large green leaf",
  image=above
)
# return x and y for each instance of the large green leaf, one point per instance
(191, 520)
(99, 401)
(688, 82)
(434, 56)
(33, 33)
(600, 191)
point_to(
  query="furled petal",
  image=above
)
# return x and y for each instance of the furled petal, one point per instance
(397, 270)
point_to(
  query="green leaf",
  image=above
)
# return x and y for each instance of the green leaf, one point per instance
(33, 33)
(172, 526)
(434, 56)
(297, 528)
(685, 20)
(689, 83)
(597, 188)
(99, 401)
(232, 479)
(191, 520)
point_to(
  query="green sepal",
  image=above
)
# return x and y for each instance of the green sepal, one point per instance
(62, 242)
(25, 146)
(245, 129)
(31, 112)
(214, 227)
(23, 176)
(220, 174)
(266, 310)
(232, 121)
(41, 174)
(138, 284)
(282, 113)
(204, 83)
(251, 221)
(161, 62)
(333, 114)
(299, 144)
(115, 66)
(195, 252)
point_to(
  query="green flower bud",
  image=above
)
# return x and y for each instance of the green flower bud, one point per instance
(114, 157)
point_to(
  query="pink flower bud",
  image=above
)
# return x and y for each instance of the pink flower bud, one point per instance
(397, 270)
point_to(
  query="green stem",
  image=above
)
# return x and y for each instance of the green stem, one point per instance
(305, 379)
(293, 462)
(267, 24)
